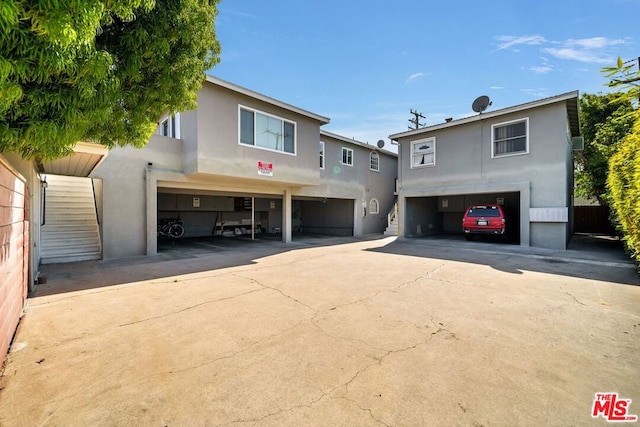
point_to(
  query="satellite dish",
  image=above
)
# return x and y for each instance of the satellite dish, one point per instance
(481, 103)
(380, 143)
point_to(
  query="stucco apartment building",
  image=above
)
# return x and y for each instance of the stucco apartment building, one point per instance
(245, 161)
(520, 157)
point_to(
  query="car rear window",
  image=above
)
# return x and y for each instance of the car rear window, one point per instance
(485, 211)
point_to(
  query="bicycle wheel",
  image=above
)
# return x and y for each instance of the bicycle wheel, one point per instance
(176, 231)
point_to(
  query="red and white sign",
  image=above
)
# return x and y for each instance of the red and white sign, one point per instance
(612, 409)
(265, 169)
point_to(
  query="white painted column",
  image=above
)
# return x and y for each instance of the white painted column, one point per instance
(525, 224)
(253, 218)
(152, 212)
(401, 214)
(358, 216)
(286, 216)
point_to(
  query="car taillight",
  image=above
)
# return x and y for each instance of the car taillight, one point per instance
(503, 221)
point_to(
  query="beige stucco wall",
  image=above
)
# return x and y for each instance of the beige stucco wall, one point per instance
(123, 175)
(220, 153)
(357, 182)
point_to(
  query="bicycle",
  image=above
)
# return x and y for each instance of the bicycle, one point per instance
(171, 227)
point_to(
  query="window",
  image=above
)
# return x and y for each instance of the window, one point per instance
(423, 153)
(170, 126)
(374, 206)
(374, 161)
(321, 155)
(510, 138)
(265, 131)
(164, 127)
(347, 156)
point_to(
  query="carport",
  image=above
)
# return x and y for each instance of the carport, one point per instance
(323, 216)
(210, 213)
(440, 212)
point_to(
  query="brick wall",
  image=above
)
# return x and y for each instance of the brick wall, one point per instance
(14, 247)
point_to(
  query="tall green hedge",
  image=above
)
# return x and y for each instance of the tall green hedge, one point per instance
(624, 186)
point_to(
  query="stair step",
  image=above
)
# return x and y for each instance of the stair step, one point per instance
(70, 258)
(71, 230)
(70, 243)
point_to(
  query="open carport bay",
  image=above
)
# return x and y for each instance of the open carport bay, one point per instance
(325, 216)
(211, 214)
(427, 216)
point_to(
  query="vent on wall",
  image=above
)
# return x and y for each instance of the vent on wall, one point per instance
(577, 143)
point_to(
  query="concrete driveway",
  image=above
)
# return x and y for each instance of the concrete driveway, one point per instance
(329, 332)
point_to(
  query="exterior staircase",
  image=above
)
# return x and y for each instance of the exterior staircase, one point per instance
(70, 229)
(392, 221)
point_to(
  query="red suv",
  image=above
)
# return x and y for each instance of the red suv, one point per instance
(483, 219)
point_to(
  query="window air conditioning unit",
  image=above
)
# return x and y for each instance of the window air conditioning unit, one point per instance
(577, 142)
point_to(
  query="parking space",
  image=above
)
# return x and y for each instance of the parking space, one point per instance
(442, 215)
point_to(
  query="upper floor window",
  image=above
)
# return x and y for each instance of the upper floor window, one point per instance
(374, 206)
(266, 131)
(423, 153)
(170, 126)
(321, 155)
(510, 138)
(347, 156)
(374, 161)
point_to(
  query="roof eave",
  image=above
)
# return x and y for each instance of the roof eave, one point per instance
(358, 143)
(264, 98)
(569, 97)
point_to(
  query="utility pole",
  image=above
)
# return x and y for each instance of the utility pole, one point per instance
(416, 120)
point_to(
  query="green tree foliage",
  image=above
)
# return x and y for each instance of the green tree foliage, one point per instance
(100, 70)
(624, 184)
(624, 167)
(604, 121)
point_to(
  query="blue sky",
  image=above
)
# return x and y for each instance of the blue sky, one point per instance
(365, 64)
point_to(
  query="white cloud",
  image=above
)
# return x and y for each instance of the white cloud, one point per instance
(496, 87)
(594, 42)
(581, 55)
(542, 69)
(415, 76)
(594, 50)
(510, 41)
(537, 93)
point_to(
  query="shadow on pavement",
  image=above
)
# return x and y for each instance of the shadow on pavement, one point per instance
(596, 257)
(174, 258)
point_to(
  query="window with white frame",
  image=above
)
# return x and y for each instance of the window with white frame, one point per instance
(347, 156)
(170, 126)
(423, 153)
(374, 161)
(510, 138)
(374, 206)
(321, 155)
(267, 131)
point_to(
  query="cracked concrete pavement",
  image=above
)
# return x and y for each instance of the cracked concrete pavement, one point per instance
(356, 332)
